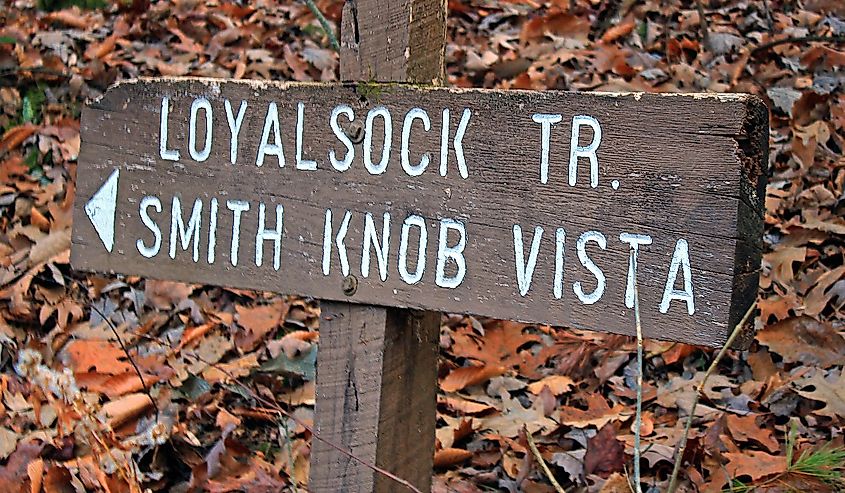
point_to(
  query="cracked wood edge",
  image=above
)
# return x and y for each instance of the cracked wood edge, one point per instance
(753, 154)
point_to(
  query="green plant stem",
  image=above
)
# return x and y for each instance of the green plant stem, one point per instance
(324, 23)
(682, 445)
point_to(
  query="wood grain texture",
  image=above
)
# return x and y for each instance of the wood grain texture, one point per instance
(689, 167)
(376, 394)
(377, 370)
(393, 41)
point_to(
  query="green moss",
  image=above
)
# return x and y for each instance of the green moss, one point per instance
(372, 91)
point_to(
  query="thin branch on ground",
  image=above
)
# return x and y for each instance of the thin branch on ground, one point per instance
(551, 477)
(124, 349)
(274, 406)
(638, 420)
(836, 38)
(327, 27)
(682, 445)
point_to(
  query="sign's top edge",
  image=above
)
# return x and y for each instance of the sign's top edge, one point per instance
(263, 84)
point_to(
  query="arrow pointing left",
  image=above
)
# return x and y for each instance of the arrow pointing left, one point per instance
(101, 207)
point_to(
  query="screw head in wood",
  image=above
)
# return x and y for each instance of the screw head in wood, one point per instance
(350, 285)
(354, 130)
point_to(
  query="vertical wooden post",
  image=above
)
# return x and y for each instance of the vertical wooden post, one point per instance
(377, 367)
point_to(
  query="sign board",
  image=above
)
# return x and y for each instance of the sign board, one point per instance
(510, 204)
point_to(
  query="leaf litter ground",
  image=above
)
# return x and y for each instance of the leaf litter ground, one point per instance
(197, 404)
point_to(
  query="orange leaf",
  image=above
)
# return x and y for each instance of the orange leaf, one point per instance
(15, 136)
(448, 457)
(464, 406)
(745, 428)
(126, 408)
(460, 378)
(36, 218)
(557, 384)
(117, 385)
(597, 414)
(99, 356)
(70, 17)
(166, 294)
(257, 322)
(618, 31)
(500, 345)
(754, 464)
(559, 24)
(805, 340)
(192, 334)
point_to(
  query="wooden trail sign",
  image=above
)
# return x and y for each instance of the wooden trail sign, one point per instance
(515, 205)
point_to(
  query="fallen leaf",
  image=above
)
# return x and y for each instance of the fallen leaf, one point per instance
(15, 469)
(464, 406)
(257, 322)
(127, 407)
(805, 340)
(8, 442)
(513, 416)
(97, 356)
(819, 297)
(558, 24)
(48, 247)
(500, 345)
(754, 464)
(449, 457)
(164, 295)
(616, 483)
(597, 414)
(455, 430)
(832, 393)
(620, 30)
(605, 454)
(745, 428)
(467, 376)
(557, 384)
(225, 419)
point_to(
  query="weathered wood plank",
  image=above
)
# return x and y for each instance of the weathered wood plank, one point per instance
(377, 369)
(676, 167)
(376, 395)
(393, 40)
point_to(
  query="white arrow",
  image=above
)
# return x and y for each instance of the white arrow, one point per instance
(100, 210)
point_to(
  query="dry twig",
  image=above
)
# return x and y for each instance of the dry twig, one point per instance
(682, 445)
(274, 406)
(542, 462)
(838, 38)
(123, 347)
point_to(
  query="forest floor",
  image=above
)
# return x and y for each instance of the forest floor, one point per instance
(219, 364)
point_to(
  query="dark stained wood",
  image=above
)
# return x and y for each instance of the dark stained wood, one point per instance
(376, 395)
(377, 366)
(689, 167)
(393, 40)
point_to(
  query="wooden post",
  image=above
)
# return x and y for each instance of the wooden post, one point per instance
(377, 366)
